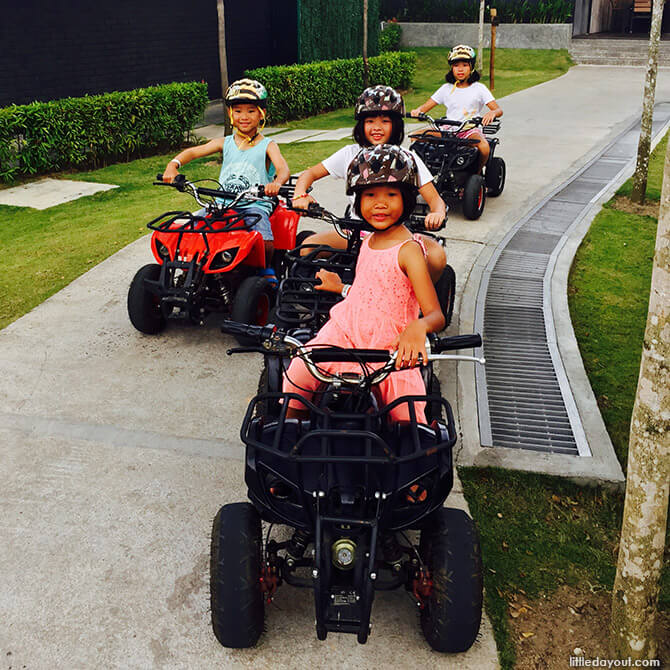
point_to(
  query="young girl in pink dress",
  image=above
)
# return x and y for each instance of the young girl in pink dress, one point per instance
(381, 308)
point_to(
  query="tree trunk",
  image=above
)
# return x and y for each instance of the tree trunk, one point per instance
(223, 63)
(366, 70)
(479, 63)
(644, 145)
(645, 516)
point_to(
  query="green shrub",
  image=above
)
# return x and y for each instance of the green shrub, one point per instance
(96, 130)
(389, 38)
(297, 91)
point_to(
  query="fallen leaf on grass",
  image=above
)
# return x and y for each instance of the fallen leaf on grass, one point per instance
(527, 635)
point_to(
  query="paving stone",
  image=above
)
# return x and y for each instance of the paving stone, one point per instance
(338, 134)
(47, 193)
(295, 135)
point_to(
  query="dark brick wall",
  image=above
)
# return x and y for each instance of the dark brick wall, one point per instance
(54, 50)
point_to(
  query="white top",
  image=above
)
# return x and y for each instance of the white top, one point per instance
(338, 163)
(462, 103)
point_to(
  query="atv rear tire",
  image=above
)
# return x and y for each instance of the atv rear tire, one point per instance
(236, 598)
(445, 287)
(450, 549)
(144, 307)
(495, 177)
(474, 197)
(252, 304)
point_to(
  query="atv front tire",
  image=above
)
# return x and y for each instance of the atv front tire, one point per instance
(450, 549)
(474, 197)
(236, 598)
(144, 307)
(252, 304)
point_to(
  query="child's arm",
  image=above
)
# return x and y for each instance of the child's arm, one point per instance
(495, 112)
(301, 199)
(426, 107)
(186, 156)
(281, 169)
(412, 341)
(438, 210)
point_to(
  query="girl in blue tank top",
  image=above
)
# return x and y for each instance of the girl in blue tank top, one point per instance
(248, 157)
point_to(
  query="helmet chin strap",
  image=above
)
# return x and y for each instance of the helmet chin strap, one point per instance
(259, 128)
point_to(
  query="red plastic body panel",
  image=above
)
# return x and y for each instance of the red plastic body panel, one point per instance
(284, 227)
(249, 242)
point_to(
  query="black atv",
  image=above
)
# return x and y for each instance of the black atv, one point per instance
(454, 162)
(301, 305)
(352, 485)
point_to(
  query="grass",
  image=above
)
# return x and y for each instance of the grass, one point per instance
(515, 70)
(552, 532)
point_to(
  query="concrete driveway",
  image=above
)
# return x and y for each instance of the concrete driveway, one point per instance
(118, 448)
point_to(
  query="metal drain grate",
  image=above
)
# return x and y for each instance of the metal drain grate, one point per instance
(524, 398)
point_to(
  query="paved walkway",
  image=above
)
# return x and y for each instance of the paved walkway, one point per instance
(119, 448)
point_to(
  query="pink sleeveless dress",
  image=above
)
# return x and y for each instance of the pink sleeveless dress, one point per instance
(378, 307)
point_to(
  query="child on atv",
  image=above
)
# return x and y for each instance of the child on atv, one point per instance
(248, 157)
(463, 97)
(392, 283)
(379, 117)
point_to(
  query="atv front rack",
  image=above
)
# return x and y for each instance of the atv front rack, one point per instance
(325, 452)
(186, 222)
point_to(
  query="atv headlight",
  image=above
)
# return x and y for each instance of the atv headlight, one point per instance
(344, 553)
(162, 250)
(223, 258)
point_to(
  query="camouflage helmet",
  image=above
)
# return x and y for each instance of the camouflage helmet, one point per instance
(381, 165)
(379, 99)
(462, 52)
(246, 90)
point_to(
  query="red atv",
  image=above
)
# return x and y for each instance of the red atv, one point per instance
(209, 262)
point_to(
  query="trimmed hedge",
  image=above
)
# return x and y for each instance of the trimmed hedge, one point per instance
(389, 38)
(297, 91)
(96, 130)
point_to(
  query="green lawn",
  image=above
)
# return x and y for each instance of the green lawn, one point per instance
(551, 531)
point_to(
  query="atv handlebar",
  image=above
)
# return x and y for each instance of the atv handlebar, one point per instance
(476, 121)
(415, 223)
(253, 193)
(271, 340)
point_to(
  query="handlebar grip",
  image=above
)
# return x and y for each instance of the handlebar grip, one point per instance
(258, 333)
(440, 344)
(159, 176)
(338, 356)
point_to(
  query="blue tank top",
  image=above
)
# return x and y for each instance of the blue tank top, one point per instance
(242, 169)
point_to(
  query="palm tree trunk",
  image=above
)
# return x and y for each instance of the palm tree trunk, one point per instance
(645, 516)
(644, 145)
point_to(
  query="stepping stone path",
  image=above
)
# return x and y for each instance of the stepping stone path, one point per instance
(47, 193)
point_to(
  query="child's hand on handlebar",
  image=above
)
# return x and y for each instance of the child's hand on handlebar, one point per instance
(411, 344)
(433, 220)
(302, 202)
(488, 117)
(415, 113)
(170, 173)
(272, 188)
(330, 281)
